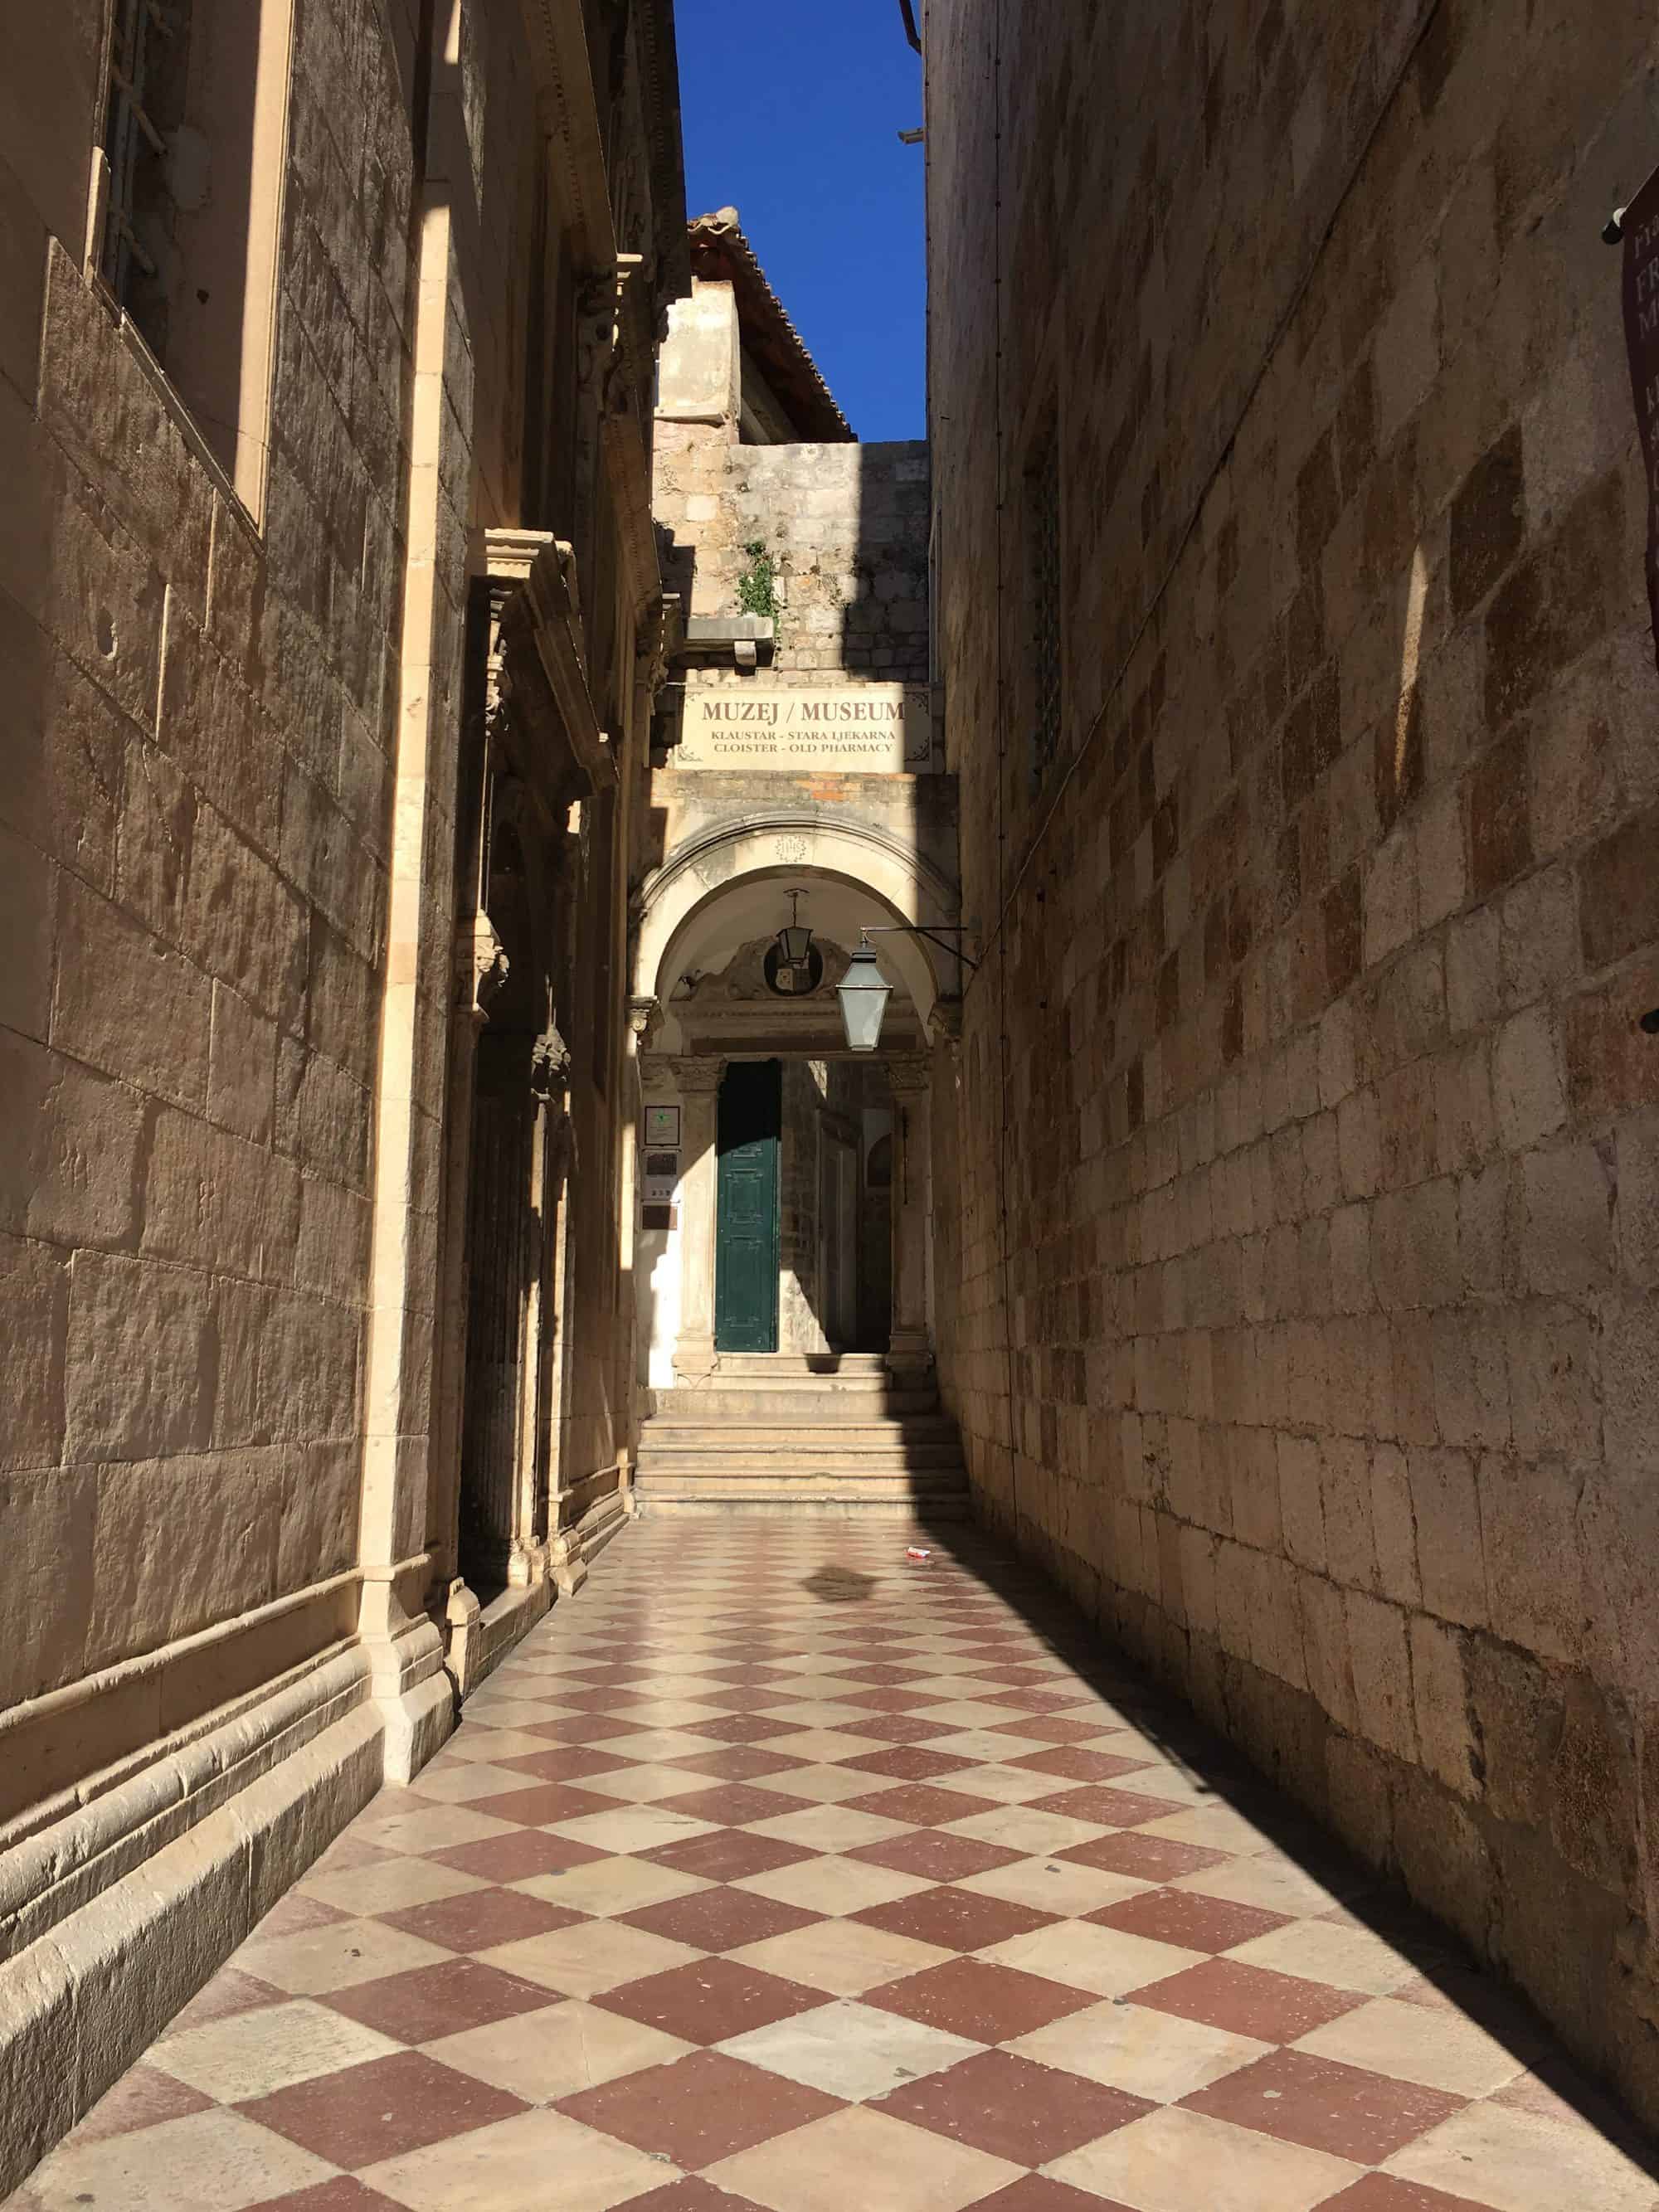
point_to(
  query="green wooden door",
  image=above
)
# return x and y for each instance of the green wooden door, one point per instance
(746, 1221)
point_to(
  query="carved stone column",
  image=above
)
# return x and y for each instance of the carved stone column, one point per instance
(481, 967)
(546, 1544)
(911, 1348)
(699, 1081)
(502, 1269)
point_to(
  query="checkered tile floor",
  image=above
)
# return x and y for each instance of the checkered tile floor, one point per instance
(776, 1872)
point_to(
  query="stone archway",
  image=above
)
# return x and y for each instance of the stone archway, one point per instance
(683, 899)
(699, 920)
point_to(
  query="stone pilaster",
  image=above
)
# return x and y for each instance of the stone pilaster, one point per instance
(699, 1081)
(910, 1349)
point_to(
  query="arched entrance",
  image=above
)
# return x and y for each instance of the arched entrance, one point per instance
(788, 1181)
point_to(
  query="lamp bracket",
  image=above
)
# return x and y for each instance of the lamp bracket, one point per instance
(933, 936)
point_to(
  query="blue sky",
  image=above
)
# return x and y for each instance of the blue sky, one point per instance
(792, 115)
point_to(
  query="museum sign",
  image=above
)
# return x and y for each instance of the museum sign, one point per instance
(863, 729)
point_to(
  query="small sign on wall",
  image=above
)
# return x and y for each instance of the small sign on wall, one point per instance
(660, 1179)
(662, 1126)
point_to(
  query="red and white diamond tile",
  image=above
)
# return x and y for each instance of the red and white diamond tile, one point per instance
(779, 1873)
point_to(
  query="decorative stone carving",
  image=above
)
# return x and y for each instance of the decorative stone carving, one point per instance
(598, 299)
(697, 1076)
(908, 1073)
(549, 1065)
(540, 713)
(645, 1017)
(481, 965)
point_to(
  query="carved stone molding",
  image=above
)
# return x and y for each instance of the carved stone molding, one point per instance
(564, 86)
(541, 711)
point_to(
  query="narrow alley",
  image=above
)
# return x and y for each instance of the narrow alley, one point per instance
(829, 1106)
(783, 1871)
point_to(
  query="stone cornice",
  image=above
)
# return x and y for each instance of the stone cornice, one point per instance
(570, 111)
(659, 79)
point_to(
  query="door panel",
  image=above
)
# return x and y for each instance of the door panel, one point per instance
(746, 1220)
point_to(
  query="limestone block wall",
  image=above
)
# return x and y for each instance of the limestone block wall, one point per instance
(1301, 1308)
(847, 524)
(227, 867)
(196, 829)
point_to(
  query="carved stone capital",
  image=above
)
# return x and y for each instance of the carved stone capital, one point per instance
(549, 1065)
(908, 1074)
(944, 1023)
(645, 1018)
(696, 1076)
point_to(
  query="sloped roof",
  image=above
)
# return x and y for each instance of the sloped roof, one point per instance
(721, 254)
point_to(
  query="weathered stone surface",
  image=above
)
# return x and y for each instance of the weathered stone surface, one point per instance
(144, 1358)
(1356, 663)
(239, 657)
(37, 1308)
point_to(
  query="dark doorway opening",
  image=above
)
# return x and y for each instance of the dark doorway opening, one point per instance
(746, 1233)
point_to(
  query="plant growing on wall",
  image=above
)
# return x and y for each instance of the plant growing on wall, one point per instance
(757, 587)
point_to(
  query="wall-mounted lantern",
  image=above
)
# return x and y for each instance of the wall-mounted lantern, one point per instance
(794, 966)
(864, 992)
(794, 941)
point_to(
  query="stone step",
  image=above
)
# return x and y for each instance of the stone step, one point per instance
(832, 1365)
(774, 1434)
(778, 1403)
(874, 1383)
(940, 1495)
(746, 1458)
(905, 1510)
(683, 1435)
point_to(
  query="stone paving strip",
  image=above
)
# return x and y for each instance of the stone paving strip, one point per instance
(778, 1871)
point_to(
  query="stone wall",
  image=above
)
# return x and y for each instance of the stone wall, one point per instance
(228, 841)
(196, 830)
(1302, 1307)
(847, 524)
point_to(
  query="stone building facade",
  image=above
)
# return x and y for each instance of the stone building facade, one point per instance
(330, 619)
(800, 560)
(1302, 1309)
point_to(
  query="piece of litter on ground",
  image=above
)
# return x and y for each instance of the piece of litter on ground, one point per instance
(916, 1551)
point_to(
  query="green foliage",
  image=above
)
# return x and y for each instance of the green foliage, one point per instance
(757, 587)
